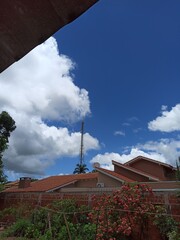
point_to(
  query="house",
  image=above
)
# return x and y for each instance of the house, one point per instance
(159, 170)
(159, 176)
(100, 179)
(140, 169)
(143, 169)
(11, 184)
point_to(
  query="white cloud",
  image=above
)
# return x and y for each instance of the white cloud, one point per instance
(133, 119)
(168, 122)
(121, 133)
(164, 107)
(41, 84)
(105, 159)
(36, 90)
(164, 150)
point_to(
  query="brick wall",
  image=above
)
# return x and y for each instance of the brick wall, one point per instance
(169, 199)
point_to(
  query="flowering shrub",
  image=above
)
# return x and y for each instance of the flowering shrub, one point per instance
(118, 214)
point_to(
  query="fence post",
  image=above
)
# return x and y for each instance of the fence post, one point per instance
(67, 227)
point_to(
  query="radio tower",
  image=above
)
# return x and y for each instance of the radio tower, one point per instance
(82, 144)
(81, 166)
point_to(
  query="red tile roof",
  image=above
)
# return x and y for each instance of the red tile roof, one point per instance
(11, 184)
(114, 175)
(149, 176)
(54, 182)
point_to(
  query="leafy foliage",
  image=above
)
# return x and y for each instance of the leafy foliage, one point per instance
(18, 229)
(167, 226)
(123, 215)
(80, 168)
(7, 125)
(3, 177)
(178, 169)
(55, 222)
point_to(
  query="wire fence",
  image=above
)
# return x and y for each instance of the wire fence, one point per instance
(97, 214)
(66, 218)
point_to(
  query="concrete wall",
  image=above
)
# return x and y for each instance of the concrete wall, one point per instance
(108, 181)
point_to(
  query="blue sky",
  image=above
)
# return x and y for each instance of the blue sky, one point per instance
(126, 57)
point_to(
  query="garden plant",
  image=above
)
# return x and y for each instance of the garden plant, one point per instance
(125, 214)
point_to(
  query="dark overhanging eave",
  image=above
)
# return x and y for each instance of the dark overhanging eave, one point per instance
(25, 24)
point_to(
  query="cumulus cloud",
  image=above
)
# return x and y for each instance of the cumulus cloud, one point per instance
(168, 122)
(105, 159)
(37, 90)
(164, 150)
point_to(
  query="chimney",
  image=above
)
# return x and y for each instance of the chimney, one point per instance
(24, 182)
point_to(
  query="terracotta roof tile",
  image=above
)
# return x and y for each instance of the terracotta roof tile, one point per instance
(11, 184)
(116, 175)
(53, 182)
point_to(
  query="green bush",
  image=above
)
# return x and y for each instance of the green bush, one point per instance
(66, 205)
(166, 224)
(18, 229)
(39, 218)
(46, 236)
(63, 217)
(32, 232)
(63, 233)
(88, 230)
(77, 232)
(174, 235)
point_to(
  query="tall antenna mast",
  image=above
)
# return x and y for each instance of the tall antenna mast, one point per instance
(82, 144)
(81, 167)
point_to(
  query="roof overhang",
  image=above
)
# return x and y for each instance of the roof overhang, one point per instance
(25, 24)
